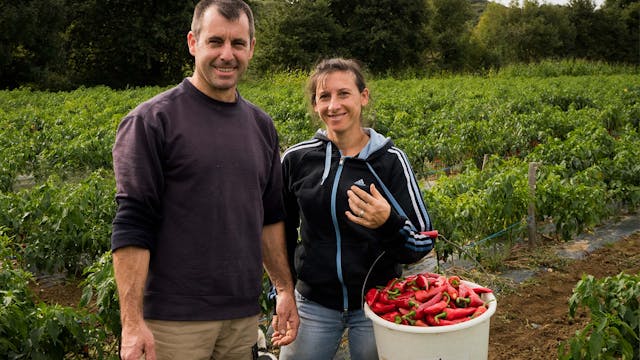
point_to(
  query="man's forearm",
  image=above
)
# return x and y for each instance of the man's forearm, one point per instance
(274, 252)
(130, 266)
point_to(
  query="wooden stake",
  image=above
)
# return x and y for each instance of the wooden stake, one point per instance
(531, 218)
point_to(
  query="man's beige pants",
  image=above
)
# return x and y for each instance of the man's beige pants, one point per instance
(205, 340)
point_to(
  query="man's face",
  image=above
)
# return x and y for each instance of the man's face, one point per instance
(222, 52)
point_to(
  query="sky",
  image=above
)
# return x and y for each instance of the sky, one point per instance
(556, 2)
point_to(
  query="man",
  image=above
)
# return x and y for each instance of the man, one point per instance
(199, 206)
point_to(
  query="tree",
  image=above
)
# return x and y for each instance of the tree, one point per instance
(529, 33)
(123, 43)
(451, 28)
(492, 34)
(619, 31)
(543, 31)
(294, 35)
(582, 16)
(387, 35)
(32, 43)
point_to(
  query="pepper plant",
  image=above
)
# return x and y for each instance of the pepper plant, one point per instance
(614, 329)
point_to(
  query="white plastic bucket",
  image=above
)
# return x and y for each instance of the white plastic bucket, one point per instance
(468, 340)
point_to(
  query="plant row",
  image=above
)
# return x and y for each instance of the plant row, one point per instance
(57, 188)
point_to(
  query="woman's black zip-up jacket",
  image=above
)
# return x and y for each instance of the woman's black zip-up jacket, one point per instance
(332, 255)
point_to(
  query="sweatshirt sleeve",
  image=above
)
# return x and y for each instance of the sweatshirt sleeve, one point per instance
(138, 172)
(403, 231)
(292, 219)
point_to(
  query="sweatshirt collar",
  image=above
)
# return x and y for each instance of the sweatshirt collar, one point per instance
(375, 143)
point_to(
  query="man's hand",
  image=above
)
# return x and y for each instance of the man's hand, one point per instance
(137, 341)
(286, 321)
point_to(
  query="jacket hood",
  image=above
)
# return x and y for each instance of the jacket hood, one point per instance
(375, 143)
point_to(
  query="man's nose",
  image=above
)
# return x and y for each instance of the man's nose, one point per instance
(226, 51)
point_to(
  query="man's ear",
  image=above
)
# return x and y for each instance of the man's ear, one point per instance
(252, 46)
(191, 43)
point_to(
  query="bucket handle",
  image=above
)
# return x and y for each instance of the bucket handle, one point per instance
(364, 285)
(432, 234)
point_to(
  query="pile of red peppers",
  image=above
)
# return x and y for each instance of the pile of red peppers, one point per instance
(427, 299)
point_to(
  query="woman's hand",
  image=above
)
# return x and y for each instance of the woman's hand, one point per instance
(369, 210)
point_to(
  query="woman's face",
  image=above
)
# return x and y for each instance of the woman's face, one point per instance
(339, 103)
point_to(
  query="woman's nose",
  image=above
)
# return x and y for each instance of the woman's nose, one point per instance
(333, 103)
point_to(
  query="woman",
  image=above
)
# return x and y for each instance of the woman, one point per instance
(350, 197)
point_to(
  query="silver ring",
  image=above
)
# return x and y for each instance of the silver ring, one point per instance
(361, 213)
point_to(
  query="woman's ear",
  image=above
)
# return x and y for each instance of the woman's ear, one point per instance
(364, 97)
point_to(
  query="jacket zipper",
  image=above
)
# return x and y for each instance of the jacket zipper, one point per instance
(334, 218)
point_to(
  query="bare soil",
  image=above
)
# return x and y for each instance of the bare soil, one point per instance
(531, 317)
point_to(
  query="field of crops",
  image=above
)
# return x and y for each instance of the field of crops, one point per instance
(469, 138)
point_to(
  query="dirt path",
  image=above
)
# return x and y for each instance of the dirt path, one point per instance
(530, 322)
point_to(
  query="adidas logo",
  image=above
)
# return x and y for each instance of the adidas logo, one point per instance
(360, 183)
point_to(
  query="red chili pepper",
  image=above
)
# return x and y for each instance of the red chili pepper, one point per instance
(454, 281)
(409, 317)
(435, 290)
(435, 308)
(479, 311)
(481, 290)
(420, 323)
(453, 293)
(451, 314)
(389, 285)
(474, 299)
(422, 282)
(431, 233)
(431, 275)
(463, 290)
(399, 285)
(432, 301)
(384, 298)
(444, 322)
(404, 311)
(411, 277)
(393, 316)
(431, 320)
(462, 302)
(381, 308)
(421, 295)
(372, 296)
(403, 301)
